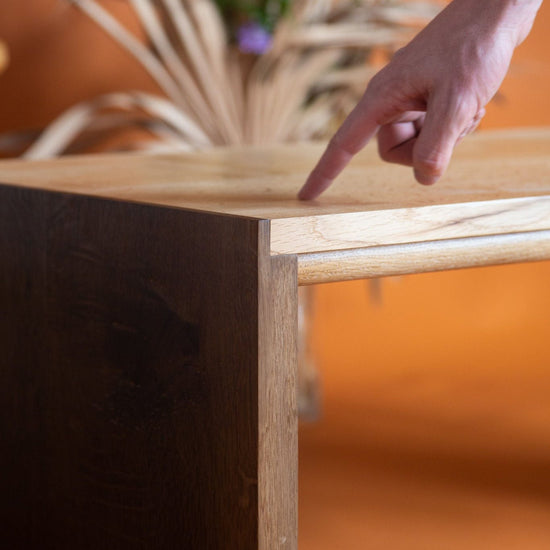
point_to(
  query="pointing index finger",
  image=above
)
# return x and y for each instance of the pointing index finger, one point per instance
(356, 131)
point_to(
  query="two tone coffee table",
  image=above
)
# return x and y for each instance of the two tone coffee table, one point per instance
(149, 314)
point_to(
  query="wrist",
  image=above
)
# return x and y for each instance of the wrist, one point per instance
(519, 16)
(514, 17)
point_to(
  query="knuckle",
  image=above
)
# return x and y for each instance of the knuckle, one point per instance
(375, 84)
(381, 82)
(431, 164)
(399, 53)
(462, 105)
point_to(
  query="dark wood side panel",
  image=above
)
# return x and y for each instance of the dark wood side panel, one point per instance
(129, 376)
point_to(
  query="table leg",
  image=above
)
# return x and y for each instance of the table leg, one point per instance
(148, 378)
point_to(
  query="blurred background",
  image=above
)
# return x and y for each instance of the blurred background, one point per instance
(435, 432)
(435, 426)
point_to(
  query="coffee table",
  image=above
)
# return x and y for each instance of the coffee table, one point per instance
(149, 316)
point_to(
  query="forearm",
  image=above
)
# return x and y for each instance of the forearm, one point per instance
(525, 11)
(513, 16)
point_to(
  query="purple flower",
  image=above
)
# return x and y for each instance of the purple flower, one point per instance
(253, 38)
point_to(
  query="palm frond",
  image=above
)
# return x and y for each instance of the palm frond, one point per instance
(316, 69)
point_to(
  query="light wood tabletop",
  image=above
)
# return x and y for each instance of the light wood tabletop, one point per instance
(497, 191)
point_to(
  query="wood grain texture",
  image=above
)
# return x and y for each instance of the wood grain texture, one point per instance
(499, 182)
(410, 225)
(145, 377)
(383, 261)
(278, 410)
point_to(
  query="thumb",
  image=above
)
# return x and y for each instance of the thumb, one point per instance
(446, 117)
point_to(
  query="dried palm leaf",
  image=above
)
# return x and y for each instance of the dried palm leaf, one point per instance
(139, 51)
(82, 116)
(316, 68)
(173, 62)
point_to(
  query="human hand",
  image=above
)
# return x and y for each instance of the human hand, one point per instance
(433, 92)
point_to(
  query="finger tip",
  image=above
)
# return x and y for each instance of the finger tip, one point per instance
(311, 189)
(304, 194)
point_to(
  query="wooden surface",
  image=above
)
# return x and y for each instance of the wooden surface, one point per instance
(498, 183)
(277, 398)
(403, 259)
(148, 378)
